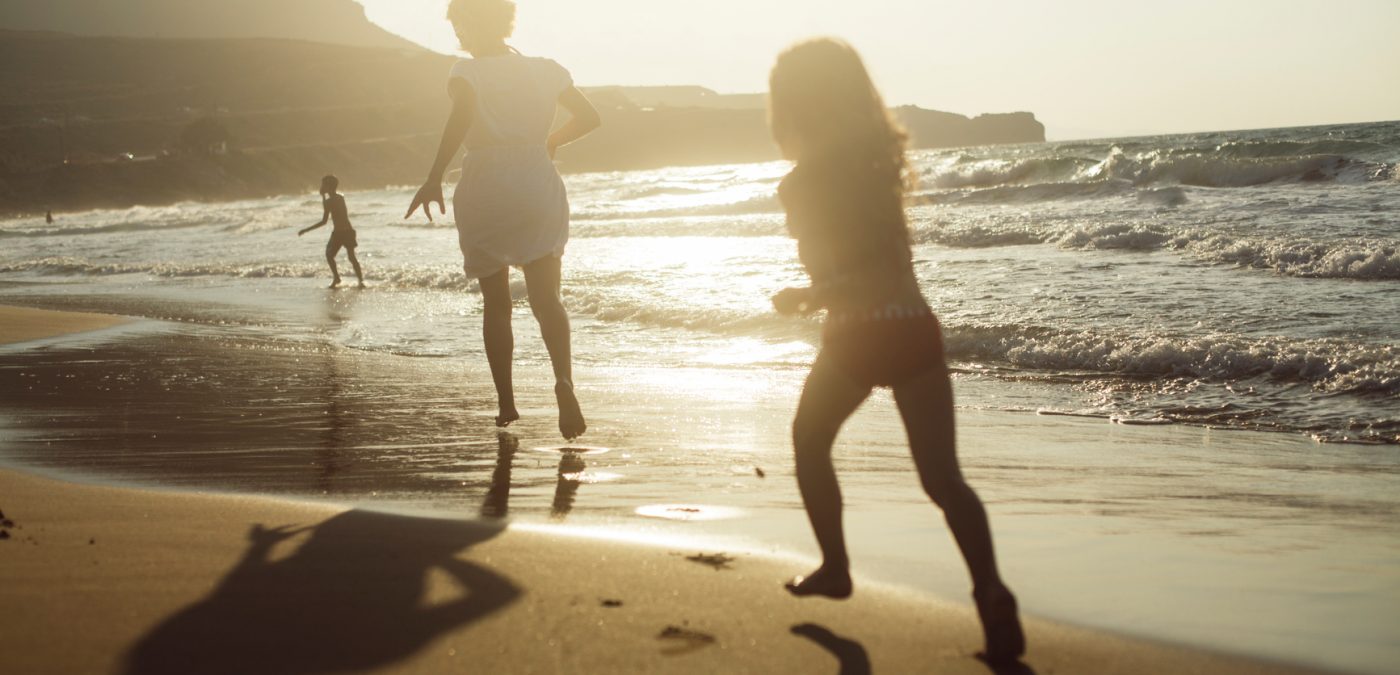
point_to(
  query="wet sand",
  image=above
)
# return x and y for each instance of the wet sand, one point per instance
(23, 324)
(100, 579)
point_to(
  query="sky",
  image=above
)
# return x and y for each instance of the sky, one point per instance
(1086, 68)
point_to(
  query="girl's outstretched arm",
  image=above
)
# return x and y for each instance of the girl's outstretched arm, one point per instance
(458, 123)
(583, 119)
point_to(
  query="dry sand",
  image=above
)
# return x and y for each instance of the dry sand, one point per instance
(22, 324)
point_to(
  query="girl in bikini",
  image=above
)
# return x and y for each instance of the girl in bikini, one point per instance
(844, 203)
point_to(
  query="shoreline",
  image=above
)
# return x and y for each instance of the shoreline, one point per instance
(166, 582)
(19, 325)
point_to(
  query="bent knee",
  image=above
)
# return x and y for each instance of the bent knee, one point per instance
(544, 301)
(943, 489)
(810, 436)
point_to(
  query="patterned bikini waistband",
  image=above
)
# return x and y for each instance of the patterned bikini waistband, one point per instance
(888, 312)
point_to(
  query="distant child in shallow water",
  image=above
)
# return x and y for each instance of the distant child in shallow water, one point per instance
(844, 203)
(342, 233)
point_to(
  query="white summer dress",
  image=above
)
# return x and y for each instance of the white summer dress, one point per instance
(510, 203)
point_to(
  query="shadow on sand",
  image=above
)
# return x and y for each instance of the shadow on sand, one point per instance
(352, 597)
(854, 660)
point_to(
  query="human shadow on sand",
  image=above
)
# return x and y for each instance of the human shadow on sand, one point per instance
(352, 597)
(851, 654)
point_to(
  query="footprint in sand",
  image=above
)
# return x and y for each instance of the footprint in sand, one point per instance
(681, 640)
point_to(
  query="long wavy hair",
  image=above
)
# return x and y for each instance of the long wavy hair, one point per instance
(822, 103)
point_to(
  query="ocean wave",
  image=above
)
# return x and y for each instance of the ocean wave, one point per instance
(968, 172)
(1257, 149)
(1330, 366)
(1214, 171)
(1363, 259)
(1022, 194)
(1002, 180)
(718, 319)
(411, 278)
(109, 228)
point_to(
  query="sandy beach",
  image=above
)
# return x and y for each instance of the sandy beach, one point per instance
(99, 579)
(24, 324)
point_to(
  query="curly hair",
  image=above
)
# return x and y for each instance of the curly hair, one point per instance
(822, 97)
(485, 19)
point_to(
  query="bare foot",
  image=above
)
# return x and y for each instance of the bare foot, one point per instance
(362, 285)
(828, 583)
(508, 415)
(1001, 625)
(335, 284)
(571, 422)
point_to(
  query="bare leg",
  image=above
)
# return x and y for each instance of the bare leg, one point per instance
(542, 285)
(331, 251)
(355, 263)
(500, 341)
(926, 405)
(828, 398)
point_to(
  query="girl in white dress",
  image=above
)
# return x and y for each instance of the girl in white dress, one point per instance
(510, 204)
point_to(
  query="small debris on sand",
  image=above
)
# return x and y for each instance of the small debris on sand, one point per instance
(758, 470)
(609, 602)
(690, 640)
(91, 542)
(719, 561)
(4, 534)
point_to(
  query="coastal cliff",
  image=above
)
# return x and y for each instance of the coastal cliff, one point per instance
(112, 122)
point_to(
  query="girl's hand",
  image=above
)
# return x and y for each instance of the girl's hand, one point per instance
(429, 193)
(795, 301)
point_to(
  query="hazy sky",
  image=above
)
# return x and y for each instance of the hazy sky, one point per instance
(1085, 67)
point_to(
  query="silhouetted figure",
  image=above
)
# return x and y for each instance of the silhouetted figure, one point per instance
(510, 205)
(844, 203)
(342, 233)
(48, 217)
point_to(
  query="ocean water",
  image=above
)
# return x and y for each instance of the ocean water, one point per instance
(1232, 280)
(1125, 318)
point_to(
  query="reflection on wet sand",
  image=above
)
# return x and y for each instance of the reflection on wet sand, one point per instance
(497, 502)
(571, 468)
(226, 412)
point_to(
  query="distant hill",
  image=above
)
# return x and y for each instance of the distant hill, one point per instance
(277, 114)
(330, 21)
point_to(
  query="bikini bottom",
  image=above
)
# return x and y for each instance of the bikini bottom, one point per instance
(885, 352)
